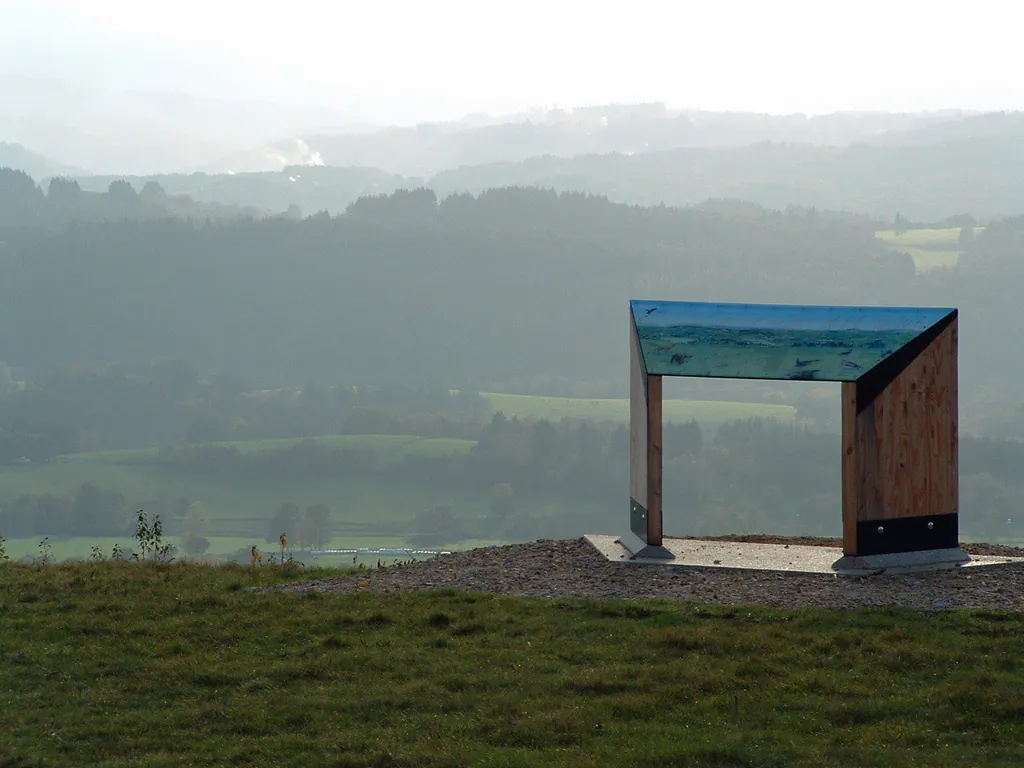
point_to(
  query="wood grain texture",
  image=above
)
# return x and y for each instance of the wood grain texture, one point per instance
(654, 461)
(900, 454)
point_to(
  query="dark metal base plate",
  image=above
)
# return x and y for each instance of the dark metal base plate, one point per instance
(640, 549)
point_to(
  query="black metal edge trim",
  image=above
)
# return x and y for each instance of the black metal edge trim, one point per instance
(908, 534)
(872, 383)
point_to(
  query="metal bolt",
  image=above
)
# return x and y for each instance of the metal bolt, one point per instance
(881, 529)
(930, 526)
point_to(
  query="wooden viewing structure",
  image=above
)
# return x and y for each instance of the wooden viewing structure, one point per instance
(900, 491)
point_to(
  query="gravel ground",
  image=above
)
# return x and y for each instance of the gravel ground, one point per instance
(573, 568)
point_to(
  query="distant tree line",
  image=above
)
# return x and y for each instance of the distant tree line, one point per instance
(749, 476)
(89, 407)
(927, 166)
(511, 290)
(469, 292)
(294, 191)
(23, 204)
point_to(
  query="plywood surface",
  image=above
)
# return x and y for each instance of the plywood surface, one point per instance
(900, 455)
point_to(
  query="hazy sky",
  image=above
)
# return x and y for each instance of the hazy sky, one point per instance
(387, 60)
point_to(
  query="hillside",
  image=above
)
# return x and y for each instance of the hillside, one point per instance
(600, 129)
(941, 169)
(926, 182)
(468, 292)
(19, 158)
(390, 286)
(991, 126)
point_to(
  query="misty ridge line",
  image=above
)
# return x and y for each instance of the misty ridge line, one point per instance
(927, 182)
(839, 161)
(55, 118)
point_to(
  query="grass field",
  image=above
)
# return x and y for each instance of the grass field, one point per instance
(929, 248)
(365, 511)
(150, 665)
(226, 499)
(709, 412)
(232, 505)
(925, 259)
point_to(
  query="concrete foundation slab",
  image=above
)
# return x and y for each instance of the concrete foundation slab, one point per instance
(903, 562)
(786, 557)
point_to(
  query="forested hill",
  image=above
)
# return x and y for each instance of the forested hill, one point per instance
(310, 188)
(599, 129)
(464, 292)
(24, 204)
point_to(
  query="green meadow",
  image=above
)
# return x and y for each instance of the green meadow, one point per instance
(154, 665)
(366, 511)
(230, 505)
(929, 248)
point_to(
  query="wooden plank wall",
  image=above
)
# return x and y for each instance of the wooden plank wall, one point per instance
(900, 454)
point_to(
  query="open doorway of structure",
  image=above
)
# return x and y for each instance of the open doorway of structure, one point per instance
(751, 457)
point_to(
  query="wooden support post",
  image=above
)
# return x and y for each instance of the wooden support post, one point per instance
(645, 461)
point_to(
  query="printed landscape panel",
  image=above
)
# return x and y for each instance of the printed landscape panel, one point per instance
(773, 341)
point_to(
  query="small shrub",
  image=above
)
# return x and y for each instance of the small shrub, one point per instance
(150, 538)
